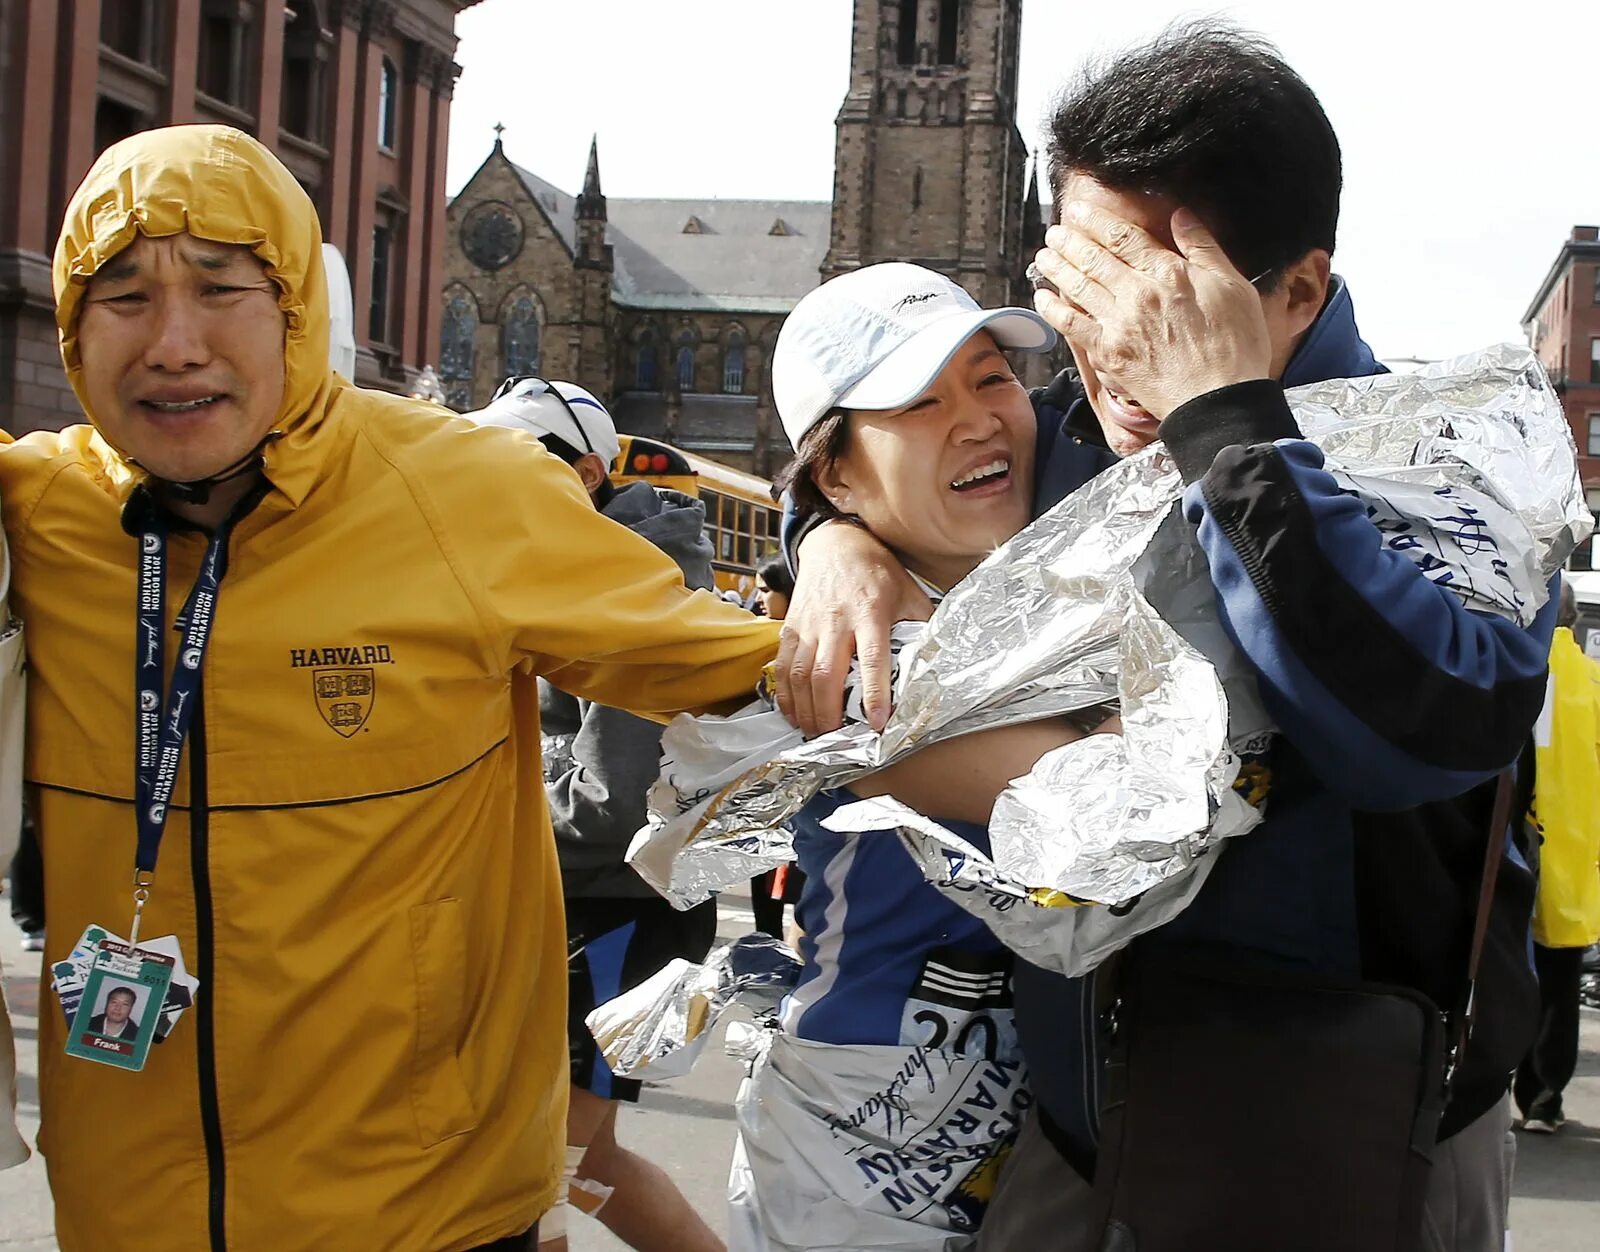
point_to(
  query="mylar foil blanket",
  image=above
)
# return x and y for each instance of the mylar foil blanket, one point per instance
(659, 1028)
(1467, 469)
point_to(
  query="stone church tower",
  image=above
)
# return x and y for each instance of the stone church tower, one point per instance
(929, 165)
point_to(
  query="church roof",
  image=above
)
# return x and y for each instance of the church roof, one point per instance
(752, 256)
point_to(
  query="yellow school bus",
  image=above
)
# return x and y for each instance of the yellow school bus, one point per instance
(741, 516)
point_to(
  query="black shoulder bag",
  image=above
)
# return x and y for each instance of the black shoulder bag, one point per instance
(1265, 1111)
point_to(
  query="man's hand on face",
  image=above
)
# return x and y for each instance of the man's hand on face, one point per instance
(1163, 326)
(849, 593)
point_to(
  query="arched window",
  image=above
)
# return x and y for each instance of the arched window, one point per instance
(519, 339)
(644, 369)
(459, 328)
(733, 365)
(686, 368)
(388, 103)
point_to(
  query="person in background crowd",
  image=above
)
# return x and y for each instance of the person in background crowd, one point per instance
(769, 892)
(1566, 916)
(13, 1148)
(1196, 180)
(27, 884)
(356, 859)
(774, 586)
(599, 763)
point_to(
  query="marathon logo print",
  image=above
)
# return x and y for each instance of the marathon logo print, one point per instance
(951, 1160)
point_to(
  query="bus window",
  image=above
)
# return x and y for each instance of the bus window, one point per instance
(746, 522)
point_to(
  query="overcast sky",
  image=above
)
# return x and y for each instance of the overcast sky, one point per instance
(1471, 134)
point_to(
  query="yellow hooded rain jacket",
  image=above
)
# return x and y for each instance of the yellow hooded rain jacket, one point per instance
(359, 863)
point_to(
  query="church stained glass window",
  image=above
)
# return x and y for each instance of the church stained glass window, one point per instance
(686, 368)
(460, 324)
(733, 365)
(520, 339)
(644, 370)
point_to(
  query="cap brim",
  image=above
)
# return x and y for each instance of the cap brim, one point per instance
(907, 372)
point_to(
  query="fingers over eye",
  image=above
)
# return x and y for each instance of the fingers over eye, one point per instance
(1116, 235)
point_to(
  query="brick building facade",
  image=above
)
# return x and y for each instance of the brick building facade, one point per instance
(669, 309)
(1563, 325)
(353, 96)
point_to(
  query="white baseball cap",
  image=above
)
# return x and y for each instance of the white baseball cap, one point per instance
(876, 337)
(564, 410)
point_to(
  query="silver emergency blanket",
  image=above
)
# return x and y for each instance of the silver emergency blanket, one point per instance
(1467, 469)
(840, 1146)
(658, 1029)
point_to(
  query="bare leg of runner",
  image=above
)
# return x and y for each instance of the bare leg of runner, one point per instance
(645, 1210)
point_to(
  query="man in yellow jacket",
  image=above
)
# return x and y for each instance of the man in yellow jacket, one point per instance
(354, 852)
(1566, 915)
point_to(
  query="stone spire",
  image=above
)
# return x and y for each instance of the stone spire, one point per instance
(1033, 223)
(591, 202)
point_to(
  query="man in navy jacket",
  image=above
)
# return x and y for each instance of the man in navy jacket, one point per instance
(1198, 183)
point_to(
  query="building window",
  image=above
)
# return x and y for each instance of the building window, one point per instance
(949, 27)
(733, 365)
(520, 339)
(1594, 360)
(128, 27)
(908, 32)
(645, 363)
(305, 53)
(388, 104)
(1597, 284)
(456, 336)
(114, 121)
(382, 267)
(1594, 434)
(686, 368)
(224, 47)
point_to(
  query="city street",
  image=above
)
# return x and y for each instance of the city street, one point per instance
(687, 1127)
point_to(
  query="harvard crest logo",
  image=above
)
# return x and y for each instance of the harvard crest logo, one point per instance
(344, 682)
(344, 697)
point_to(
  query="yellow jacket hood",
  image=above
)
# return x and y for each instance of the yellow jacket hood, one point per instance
(218, 184)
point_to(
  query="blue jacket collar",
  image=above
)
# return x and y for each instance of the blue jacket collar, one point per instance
(1333, 347)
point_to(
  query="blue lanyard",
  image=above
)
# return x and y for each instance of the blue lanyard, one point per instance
(161, 729)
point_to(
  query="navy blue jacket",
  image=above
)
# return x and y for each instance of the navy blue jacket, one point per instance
(1396, 704)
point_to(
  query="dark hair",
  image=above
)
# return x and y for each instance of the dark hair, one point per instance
(1567, 607)
(774, 574)
(819, 448)
(133, 996)
(1213, 118)
(558, 446)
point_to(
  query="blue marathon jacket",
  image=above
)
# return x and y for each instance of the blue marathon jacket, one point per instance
(1398, 707)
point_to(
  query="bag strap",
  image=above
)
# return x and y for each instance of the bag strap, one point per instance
(1493, 854)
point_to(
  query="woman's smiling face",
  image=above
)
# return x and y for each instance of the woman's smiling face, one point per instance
(947, 478)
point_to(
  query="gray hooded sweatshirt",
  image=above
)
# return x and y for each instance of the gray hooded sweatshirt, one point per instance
(599, 762)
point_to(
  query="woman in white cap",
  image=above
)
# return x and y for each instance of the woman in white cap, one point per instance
(880, 1114)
